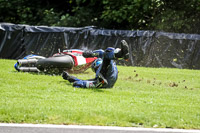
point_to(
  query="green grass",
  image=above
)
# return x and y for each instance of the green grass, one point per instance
(142, 97)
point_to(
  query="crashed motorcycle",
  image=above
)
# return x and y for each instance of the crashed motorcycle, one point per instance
(71, 60)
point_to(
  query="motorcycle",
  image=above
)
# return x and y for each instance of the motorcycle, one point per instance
(71, 60)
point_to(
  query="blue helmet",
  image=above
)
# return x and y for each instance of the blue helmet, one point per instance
(96, 64)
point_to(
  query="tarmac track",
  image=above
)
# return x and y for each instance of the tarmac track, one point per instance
(47, 128)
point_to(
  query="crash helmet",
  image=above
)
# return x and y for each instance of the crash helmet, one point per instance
(96, 64)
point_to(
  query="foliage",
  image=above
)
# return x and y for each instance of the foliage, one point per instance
(166, 15)
(142, 97)
(131, 14)
(178, 16)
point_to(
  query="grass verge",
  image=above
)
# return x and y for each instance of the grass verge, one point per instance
(142, 97)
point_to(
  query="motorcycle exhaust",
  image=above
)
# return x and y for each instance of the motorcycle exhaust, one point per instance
(28, 69)
(26, 61)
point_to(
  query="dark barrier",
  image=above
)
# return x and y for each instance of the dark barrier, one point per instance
(147, 48)
(11, 41)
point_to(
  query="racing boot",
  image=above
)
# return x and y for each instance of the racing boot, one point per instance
(66, 76)
(123, 52)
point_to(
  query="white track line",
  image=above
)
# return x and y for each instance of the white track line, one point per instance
(99, 127)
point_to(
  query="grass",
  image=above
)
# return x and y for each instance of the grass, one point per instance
(142, 97)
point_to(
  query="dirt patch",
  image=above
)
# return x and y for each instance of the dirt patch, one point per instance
(173, 84)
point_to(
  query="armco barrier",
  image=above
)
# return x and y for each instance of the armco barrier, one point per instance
(147, 48)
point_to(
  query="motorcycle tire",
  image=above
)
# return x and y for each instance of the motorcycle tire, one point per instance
(58, 62)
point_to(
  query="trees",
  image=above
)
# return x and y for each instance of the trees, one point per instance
(178, 16)
(166, 15)
(20, 11)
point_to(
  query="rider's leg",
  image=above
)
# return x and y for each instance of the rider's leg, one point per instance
(92, 83)
(110, 52)
(68, 77)
(96, 53)
(85, 84)
(124, 51)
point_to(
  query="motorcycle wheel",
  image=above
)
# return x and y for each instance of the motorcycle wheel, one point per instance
(60, 63)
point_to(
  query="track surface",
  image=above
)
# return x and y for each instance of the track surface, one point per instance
(47, 128)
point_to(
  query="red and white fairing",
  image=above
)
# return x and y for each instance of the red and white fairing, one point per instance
(80, 63)
(78, 57)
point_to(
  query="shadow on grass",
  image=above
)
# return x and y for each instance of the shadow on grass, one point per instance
(47, 73)
(93, 89)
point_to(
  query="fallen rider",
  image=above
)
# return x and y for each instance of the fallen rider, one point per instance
(104, 67)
